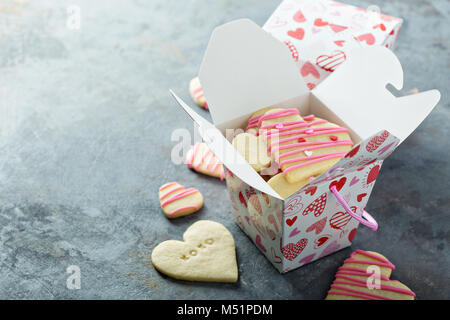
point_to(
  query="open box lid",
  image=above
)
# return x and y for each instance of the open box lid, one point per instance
(245, 69)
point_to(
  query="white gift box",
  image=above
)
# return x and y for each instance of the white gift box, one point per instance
(245, 69)
(320, 33)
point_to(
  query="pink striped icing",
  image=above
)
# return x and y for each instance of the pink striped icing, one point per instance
(345, 276)
(174, 196)
(212, 163)
(297, 131)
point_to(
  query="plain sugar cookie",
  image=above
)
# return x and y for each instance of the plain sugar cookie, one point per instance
(352, 279)
(207, 253)
(177, 201)
(283, 187)
(253, 149)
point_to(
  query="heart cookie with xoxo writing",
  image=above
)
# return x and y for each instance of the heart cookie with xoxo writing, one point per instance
(177, 201)
(207, 254)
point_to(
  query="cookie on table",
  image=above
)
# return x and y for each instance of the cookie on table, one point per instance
(196, 92)
(303, 147)
(352, 280)
(283, 187)
(201, 159)
(177, 201)
(253, 149)
(207, 253)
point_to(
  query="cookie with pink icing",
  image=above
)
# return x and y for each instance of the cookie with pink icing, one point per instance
(201, 159)
(303, 147)
(365, 275)
(177, 201)
(196, 92)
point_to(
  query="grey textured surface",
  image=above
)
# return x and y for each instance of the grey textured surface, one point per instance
(85, 124)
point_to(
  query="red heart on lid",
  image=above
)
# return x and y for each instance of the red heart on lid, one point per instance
(298, 33)
(339, 43)
(381, 26)
(367, 37)
(299, 17)
(337, 28)
(320, 23)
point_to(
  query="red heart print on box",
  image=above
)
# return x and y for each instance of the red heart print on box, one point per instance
(242, 199)
(290, 222)
(320, 23)
(294, 205)
(275, 258)
(308, 68)
(336, 28)
(332, 247)
(361, 196)
(340, 43)
(317, 206)
(318, 226)
(373, 174)
(351, 235)
(330, 62)
(259, 243)
(311, 190)
(321, 241)
(299, 17)
(377, 141)
(367, 37)
(292, 250)
(298, 33)
(340, 219)
(338, 183)
(352, 152)
(292, 49)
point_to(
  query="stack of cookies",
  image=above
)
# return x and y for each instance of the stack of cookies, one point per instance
(289, 150)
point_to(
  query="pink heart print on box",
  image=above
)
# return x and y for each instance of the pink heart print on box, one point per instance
(320, 34)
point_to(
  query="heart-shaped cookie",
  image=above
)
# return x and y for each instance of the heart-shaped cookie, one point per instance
(196, 91)
(177, 201)
(201, 159)
(355, 280)
(303, 147)
(206, 254)
(253, 149)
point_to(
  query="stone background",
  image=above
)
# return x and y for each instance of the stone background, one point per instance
(85, 125)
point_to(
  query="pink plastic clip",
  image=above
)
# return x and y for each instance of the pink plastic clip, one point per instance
(369, 221)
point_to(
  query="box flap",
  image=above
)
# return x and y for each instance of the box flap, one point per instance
(356, 93)
(245, 69)
(225, 152)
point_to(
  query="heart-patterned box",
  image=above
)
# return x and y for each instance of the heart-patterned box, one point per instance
(325, 32)
(245, 69)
